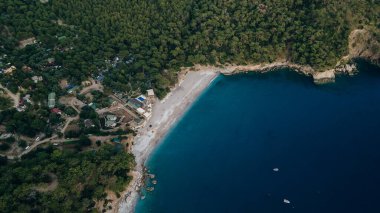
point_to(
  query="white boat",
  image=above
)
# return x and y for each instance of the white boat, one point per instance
(286, 201)
(276, 169)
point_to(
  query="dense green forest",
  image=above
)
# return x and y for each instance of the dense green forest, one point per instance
(80, 179)
(5, 102)
(141, 44)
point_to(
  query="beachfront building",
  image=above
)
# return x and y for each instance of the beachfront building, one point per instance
(143, 113)
(150, 93)
(51, 100)
(137, 123)
(134, 103)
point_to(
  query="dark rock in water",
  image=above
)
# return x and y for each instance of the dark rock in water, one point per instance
(150, 189)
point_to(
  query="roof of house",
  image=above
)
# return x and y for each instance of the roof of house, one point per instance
(55, 110)
(140, 111)
(93, 106)
(51, 60)
(141, 98)
(116, 140)
(111, 117)
(135, 103)
(150, 92)
(110, 123)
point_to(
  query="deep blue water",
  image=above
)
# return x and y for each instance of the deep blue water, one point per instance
(324, 139)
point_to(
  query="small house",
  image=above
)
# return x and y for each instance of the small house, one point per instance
(110, 121)
(56, 111)
(116, 140)
(150, 93)
(93, 106)
(141, 111)
(51, 61)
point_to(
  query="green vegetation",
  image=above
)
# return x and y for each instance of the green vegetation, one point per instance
(141, 44)
(100, 99)
(30, 122)
(5, 102)
(82, 178)
(70, 111)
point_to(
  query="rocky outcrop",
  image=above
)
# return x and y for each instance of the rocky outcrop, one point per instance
(363, 44)
(327, 76)
(349, 69)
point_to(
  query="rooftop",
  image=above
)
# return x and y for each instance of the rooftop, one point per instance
(150, 92)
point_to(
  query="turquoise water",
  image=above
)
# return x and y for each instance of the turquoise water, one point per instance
(325, 140)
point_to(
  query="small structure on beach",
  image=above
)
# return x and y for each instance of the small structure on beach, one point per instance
(150, 93)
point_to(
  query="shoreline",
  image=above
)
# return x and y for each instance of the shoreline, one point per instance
(192, 82)
(165, 114)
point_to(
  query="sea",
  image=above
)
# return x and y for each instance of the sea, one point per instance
(273, 142)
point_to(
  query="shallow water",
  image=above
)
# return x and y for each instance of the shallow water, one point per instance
(325, 141)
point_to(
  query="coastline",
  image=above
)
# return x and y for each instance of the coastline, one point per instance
(166, 112)
(192, 82)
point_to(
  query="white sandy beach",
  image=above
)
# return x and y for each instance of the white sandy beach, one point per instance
(165, 114)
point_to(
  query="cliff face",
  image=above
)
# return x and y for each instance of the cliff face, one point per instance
(364, 44)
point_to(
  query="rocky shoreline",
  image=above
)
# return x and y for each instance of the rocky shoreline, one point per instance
(327, 76)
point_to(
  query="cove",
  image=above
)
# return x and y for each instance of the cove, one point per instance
(325, 141)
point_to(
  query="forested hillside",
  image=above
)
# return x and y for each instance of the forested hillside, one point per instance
(51, 180)
(149, 37)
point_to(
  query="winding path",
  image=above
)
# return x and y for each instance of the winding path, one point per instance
(14, 97)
